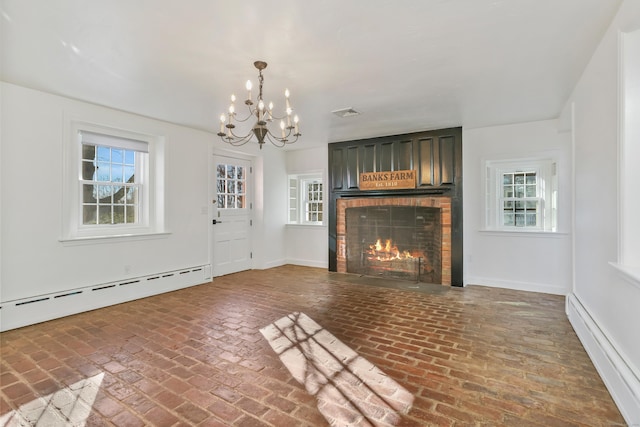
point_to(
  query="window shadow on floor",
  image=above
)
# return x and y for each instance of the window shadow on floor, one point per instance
(349, 389)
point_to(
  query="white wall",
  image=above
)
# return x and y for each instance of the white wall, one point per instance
(34, 260)
(305, 244)
(270, 211)
(528, 261)
(604, 306)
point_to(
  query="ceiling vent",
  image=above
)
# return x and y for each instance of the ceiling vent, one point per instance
(346, 112)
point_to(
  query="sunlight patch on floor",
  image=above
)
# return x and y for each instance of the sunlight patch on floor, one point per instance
(69, 406)
(350, 390)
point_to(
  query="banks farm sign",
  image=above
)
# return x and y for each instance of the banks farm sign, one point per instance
(392, 180)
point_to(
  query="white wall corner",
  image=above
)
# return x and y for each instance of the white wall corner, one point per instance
(545, 288)
(271, 264)
(307, 262)
(619, 377)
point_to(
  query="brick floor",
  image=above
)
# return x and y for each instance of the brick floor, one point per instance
(476, 356)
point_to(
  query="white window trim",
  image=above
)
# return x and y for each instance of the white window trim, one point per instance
(546, 170)
(628, 263)
(301, 178)
(152, 202)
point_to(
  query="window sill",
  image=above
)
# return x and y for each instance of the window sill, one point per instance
(524, 233)
(90, 240)
(630, 274)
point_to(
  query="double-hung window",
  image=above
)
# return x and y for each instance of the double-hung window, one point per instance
(113, 183)
(112, 180)
(520, 199)
(521, 195)
(306, 195)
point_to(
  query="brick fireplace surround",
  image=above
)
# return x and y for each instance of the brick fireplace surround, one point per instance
(441, 202)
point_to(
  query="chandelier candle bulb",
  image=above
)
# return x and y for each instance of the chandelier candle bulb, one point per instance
(222, 120)
(282, 128)
(249, 86)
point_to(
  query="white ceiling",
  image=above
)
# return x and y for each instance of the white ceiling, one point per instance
(406, 65)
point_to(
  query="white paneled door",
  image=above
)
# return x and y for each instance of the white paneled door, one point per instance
(231, 220)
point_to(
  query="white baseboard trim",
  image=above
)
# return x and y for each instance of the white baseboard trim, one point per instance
(615, 371)
(40, 308)
(272, 264)
(520, 286)
(308, 263)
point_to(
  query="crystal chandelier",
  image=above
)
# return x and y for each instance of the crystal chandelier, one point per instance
(263, 115)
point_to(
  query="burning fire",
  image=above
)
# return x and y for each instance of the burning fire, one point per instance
(387, 252)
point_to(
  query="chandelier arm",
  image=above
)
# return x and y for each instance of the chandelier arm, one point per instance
(274, 117)
(281, 142)
(278, 142)
(234, 136)
(235, 143)
(236, 140)
(280, 138)
(252, 113)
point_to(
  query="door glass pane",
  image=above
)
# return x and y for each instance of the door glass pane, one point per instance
(231, 186)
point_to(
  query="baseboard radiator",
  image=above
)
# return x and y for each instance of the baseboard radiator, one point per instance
(27, 311)
(621, 381)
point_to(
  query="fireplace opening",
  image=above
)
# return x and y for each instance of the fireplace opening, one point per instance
(403, 242)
